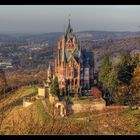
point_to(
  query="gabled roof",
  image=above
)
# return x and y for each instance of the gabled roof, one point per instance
(74, 58)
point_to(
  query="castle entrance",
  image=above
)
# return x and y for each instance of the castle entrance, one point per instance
(61, 109)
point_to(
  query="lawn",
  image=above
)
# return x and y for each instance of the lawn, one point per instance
(96, 122)
(27, 91)
(41, 113)
(134, 117)
(15, 98)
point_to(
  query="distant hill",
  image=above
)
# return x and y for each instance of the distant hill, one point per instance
(106, 35)
(100, 42)
(55, 36)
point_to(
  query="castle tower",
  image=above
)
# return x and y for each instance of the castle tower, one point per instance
(58, 54)
(49, 72)
(72, 65)
(69, 32)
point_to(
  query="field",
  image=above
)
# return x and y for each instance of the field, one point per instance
(36, 118)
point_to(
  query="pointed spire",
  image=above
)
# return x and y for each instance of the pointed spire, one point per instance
(69, 31)
(49, 72)
(49, 68)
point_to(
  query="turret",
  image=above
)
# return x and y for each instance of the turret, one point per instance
(58, 54)
(55, 65)
(63, 41)
(49, 72)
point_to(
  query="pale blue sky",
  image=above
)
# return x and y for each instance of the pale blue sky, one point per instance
(52, 18)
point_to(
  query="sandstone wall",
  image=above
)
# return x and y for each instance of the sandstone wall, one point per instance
(78, 107)
(26, 103)
(42, 91)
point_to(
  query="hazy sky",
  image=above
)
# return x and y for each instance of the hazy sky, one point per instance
(53, 18)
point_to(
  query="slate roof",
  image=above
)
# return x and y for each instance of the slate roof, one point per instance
(69, 32)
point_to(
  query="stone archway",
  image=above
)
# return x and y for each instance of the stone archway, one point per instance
(61, 109)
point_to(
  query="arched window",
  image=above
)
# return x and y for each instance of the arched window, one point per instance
(68, 82)
(72, 82)
(59, 109)
(75, 72)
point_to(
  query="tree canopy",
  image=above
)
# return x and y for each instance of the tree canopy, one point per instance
(55, 87)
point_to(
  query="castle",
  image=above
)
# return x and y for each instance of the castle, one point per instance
(74, 67)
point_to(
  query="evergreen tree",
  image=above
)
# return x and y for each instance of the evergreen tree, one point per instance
(103, 77)
(125, 68)
(135, 62)
(135, 81)
(115, 80)
(112, 80)
(104, 70)
(3, 82)
(55, 87)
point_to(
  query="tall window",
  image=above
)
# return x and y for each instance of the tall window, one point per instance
(75, 72)
(75, 81)
(72, 82)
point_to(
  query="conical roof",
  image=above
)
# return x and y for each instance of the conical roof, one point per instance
(49, 68)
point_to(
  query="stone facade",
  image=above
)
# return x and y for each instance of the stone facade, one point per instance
(61, 109)
(74, 67)
(84, 107)
(27, 101)
(42, 91)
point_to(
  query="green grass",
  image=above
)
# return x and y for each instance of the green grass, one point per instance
(15, 98)
(25, 91)
(134, 112)
(28, 90)
(43, 116)
(79, 115)
(134, 117)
